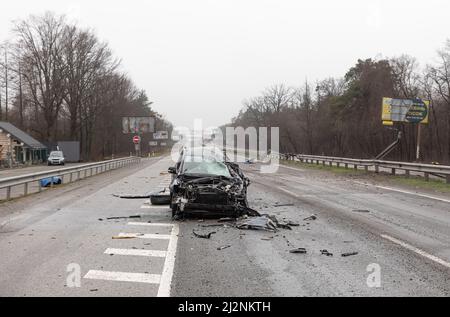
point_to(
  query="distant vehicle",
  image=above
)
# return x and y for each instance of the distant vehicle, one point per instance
(56, 158)
(206, 182)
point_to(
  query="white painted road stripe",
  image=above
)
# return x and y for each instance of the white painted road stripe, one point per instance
(416, 250)
(123, 277)
(169, 264)
(150, 224)
(287, 191)
(405, 192)
(151, 253)
(145, 236)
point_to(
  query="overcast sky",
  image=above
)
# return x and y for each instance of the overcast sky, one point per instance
(202, 58)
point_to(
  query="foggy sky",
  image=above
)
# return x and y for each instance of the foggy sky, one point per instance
(202, 58)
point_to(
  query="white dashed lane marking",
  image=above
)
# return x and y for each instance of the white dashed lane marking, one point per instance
(145, 236)
(123, 276)
(137, 252)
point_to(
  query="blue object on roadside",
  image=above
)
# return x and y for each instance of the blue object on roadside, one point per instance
(47, 181)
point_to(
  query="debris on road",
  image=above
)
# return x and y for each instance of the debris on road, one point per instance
(226, 219)
(349, 254)
(258, 223)
(124, 217)
(46, 182)
(361, 210)
(203, 236)
(123, 237)
(312, 217)
(264, 222)
(160, 198)
(132, 196)
(298, 250)
(284, 205)
(325, 252)
(224, 247)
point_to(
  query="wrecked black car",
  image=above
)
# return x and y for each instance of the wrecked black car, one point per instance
(206, 183)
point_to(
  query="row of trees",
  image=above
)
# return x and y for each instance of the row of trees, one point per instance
(342, 116)
(60, 82)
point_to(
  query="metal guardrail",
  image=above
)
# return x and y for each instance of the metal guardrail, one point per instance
(81, 172)
(427, 169)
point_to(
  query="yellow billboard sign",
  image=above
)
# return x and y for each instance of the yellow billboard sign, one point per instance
(405, 110)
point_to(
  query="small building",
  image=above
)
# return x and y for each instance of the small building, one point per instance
(18, 147)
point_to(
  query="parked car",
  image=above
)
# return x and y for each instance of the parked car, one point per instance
(206, 182)
(56, 158)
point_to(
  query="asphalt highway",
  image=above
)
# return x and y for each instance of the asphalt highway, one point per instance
(61, 242)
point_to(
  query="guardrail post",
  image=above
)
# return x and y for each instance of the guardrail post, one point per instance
(407, 173)
(366, 168)
(331, 163)
(338, 164)
(70, 178)
(393, 171)
(346, 165)
(427, 176)
(355, 166)
(25, 189)
(39, 185)
(377, 168)
(447, 178)
(8, 193)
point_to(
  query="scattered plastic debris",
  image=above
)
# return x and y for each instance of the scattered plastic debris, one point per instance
(203, 236)
(325, 252)
(298, 250)
(228, 219)
(349, 254)
(264, 222)
(224, 247)
(125, 217)
(284, 205)
(56, 180)
(312, 217)
(132, 196)
(123, 237)
(160, 198)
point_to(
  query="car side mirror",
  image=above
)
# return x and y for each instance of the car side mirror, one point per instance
(172, 170)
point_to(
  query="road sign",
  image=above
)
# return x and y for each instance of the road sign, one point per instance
(405, 110)
(153, 143)
(136, 139)
(161, 135)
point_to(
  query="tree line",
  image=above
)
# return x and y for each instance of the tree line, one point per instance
(59, 82)
(342, 116)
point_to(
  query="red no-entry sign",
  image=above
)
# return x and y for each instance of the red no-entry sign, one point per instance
(136, 139)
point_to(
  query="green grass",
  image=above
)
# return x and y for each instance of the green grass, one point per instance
(417, 182)
(334, 169)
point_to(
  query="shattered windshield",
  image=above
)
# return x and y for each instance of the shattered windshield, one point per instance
(199, 165)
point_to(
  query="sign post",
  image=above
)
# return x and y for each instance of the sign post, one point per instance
(137, 144)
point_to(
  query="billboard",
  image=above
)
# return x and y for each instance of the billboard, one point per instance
(138, 125)
(161, 135)
(405, 110)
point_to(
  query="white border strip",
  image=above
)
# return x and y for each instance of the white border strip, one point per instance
(123, 277)
(137, 252)
(416, 250)
(169, 264)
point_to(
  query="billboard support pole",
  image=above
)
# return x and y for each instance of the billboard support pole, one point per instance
(419, 134)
